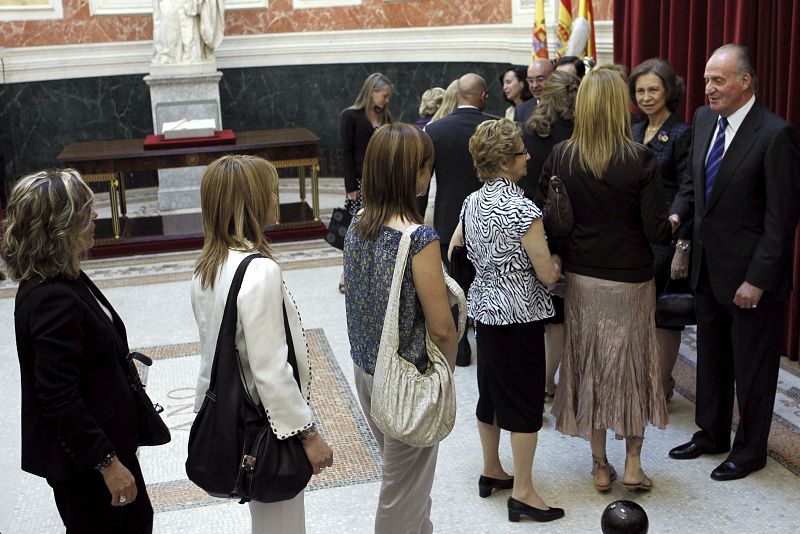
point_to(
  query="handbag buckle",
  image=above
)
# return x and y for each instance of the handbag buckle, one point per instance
(248, 463)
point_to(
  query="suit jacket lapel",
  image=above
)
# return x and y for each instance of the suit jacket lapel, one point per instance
(91, 295)
(737, 150)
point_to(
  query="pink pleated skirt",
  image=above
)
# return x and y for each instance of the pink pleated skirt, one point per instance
(609, 376)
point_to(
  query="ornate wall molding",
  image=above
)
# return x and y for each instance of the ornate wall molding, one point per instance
(500, 43)
(139, 7)
(36, 10)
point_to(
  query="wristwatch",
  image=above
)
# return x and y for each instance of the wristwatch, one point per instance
(106, 461)
(683, 246)
(308, 433)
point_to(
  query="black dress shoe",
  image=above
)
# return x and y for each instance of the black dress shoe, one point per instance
(687, 451)
(516, 509)
(487, 484)
(729, 470)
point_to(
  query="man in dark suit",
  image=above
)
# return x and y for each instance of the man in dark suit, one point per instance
(455, 174)
(538, 72)
(744, 163)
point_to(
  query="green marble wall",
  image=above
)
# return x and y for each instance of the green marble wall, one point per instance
(38, 119)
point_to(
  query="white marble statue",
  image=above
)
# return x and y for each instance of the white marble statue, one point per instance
(187, 31)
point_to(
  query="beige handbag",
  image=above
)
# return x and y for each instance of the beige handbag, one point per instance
(416, 408)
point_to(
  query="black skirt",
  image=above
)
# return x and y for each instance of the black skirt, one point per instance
(511, 375)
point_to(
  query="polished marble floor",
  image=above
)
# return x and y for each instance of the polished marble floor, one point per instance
(151, 293)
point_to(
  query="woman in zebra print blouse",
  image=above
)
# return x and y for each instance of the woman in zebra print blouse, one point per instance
(508, 300)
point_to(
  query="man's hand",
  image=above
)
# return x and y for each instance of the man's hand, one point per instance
(674, 221)
(747, 296)
(120, 483)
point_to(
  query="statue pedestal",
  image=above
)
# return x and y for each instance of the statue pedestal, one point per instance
(179, 91)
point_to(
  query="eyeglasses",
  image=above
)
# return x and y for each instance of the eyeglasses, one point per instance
(540, 79)
(523, 152)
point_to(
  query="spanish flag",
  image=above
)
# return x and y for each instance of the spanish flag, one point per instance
(585, 10)
(539, 33)
(564, 26)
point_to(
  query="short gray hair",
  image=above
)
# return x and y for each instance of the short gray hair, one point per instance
(744, 61)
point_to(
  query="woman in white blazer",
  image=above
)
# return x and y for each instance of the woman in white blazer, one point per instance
(237, 201)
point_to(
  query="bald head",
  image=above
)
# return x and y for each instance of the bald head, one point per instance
(471, 90)
(538, 72)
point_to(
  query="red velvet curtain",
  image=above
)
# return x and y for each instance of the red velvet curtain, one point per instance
(686, 32)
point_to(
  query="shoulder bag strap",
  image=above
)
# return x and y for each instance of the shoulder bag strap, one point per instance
(292, 357)
(392, 317)
(227, 330)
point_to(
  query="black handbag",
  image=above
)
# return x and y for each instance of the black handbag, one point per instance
(675, 309)
(152, 429)
(557, 209)
(461, 269)
(233, 452)
(337, 228)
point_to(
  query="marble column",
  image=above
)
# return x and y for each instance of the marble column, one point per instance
(180, 91)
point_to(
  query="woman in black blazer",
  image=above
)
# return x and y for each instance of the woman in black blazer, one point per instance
(657, 91)
(80, 418)
(369, 111)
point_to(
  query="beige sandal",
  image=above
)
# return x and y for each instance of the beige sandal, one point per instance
(644, 485)
(597, 466)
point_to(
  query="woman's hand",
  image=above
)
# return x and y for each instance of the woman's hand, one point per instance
(457, 240)
(680, 265)
(120, 483)
(353, 195)
(674, 221)
(319, 453)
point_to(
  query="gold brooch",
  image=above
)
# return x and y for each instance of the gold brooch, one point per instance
(663, 137)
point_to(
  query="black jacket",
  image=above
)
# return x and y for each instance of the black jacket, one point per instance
(355, 131)
(745, 233)
(455, 175)
(77, 402)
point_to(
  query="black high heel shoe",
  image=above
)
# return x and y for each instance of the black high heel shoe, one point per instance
(517, 508)
(487, 484)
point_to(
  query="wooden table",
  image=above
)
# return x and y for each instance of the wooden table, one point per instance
(108, 161)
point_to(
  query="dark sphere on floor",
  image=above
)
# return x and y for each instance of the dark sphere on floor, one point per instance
(624, 517)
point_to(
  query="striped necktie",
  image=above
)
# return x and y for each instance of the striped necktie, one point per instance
(715, 157)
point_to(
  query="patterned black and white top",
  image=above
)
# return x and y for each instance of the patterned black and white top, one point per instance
(505, 290)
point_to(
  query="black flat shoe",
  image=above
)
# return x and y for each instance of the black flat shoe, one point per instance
(487, 484)
(516, 509)
(729, 470)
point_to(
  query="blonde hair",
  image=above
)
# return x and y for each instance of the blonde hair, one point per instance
(235, 194)
(493, 143)
(374, 82)
(45, 218)
(430, 101)
(395, 154)
(449, 102)
(557, 102)
(602, 122)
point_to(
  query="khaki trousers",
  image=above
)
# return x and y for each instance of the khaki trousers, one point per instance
(404, 504)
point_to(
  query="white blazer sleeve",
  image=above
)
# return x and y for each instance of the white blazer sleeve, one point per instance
(260, 306)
